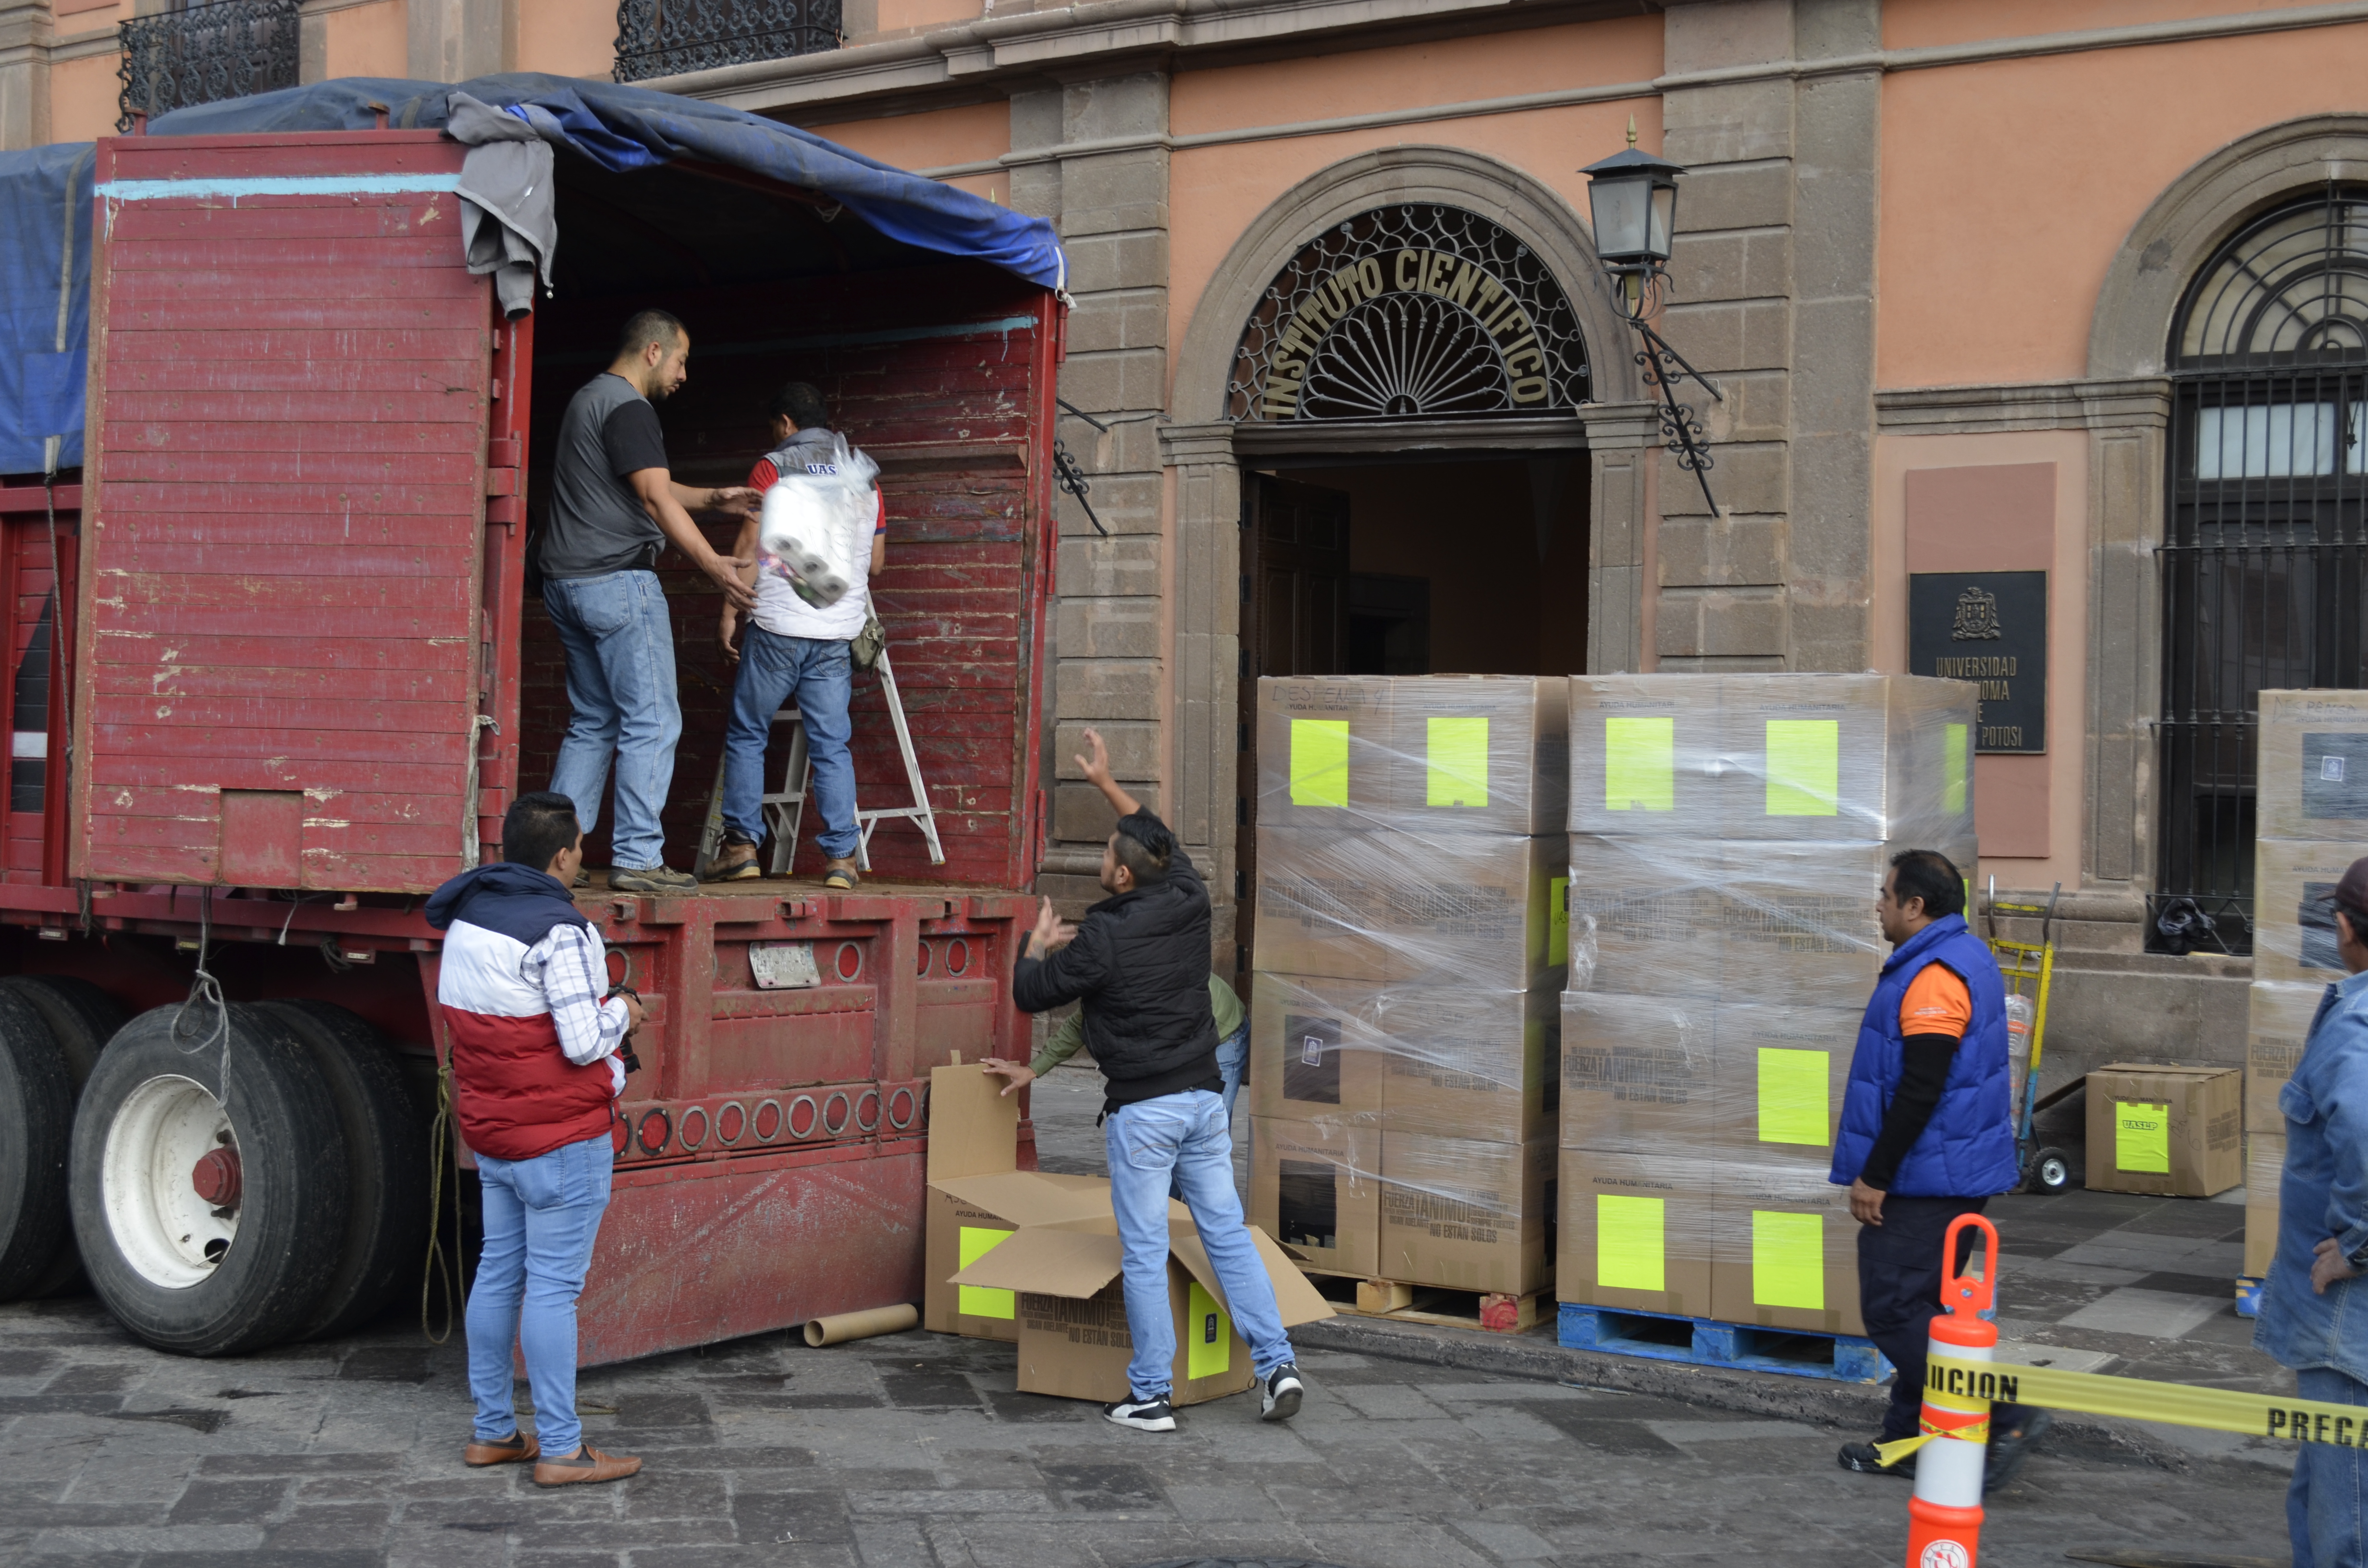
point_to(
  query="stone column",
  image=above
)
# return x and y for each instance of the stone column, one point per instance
(1111, 207)
(1622, 442)
(1208, 658)
(26, 31)
(452, 41)
(1774, 268)
(2128, 423)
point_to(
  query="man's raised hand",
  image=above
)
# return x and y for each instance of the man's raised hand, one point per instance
(1094, 761)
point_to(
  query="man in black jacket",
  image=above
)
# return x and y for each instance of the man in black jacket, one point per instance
(1139, 962)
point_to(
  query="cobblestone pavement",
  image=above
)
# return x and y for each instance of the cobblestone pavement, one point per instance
(917, 1450)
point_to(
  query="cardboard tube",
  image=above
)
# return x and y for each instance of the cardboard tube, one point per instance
(838, 1330)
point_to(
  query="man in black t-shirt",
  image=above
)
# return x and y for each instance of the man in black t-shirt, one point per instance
(614, 508)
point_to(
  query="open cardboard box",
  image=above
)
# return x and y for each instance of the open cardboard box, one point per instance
(1074, 1340)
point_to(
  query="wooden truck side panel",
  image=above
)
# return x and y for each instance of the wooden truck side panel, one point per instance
(289, 408)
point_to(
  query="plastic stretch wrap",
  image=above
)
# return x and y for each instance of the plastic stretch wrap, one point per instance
(2277, 1026)
(1408, 949)
(816, 522)
(1729, 835)
(2313, 822)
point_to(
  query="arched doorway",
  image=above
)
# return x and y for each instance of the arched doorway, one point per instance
(2265, 555)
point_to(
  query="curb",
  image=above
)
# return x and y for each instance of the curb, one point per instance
(1851, 1407)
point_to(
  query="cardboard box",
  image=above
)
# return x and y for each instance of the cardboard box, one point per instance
(2313, 778)
(2294, 926)
(2278, 1013)
(1798, 927)
(1645, 756)
(1645, 914)
(1317, 1046)
(1636, 1231)
(1315, 1186)
(2265, 1164)
(1472, 1064)
(1467, 1215)
(1781, 1075)
(2173, 1130)
(978, 1197)
(1324, 752)
(1637, 1074)
(1479, 754)
(1462, 909)
(1786, 1250)
(1074, 1340)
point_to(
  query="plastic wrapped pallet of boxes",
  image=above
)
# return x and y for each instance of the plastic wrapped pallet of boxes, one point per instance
(1407, 950)
(1728, 837)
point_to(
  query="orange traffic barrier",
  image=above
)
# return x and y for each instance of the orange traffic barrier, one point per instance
(1944, 1517)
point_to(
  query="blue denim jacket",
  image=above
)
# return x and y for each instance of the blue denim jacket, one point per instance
(2324, 1193)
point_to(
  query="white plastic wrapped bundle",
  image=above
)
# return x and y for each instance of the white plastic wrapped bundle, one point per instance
(815, 522)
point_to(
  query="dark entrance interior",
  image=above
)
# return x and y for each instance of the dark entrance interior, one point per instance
(1466, 565)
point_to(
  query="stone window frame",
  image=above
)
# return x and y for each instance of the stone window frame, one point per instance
(1200, 448)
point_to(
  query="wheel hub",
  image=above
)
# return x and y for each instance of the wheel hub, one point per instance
(171, 1179)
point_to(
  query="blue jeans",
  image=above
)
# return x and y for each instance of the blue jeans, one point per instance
(1184, 1138)
(541, 1218)
(1232, 1062)
(820, 674)
(2325, 1506)
(619, 642)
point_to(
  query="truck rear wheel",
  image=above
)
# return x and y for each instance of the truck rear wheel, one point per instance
(36, 1109)
(385, 1230)
(209, 1223)
(82, 1018)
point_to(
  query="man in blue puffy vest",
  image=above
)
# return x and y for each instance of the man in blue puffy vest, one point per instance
(1927, 1134)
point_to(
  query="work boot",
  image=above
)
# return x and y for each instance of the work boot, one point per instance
(838, 873)
(587, 1466)
(2010, 1447)
(1862, 1457)
(515, 1448)
(651, 879)
(735, 863)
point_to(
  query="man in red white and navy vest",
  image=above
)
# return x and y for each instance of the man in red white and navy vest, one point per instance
(540, 1055)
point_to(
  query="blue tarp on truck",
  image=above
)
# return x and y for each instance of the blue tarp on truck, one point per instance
(45, 198)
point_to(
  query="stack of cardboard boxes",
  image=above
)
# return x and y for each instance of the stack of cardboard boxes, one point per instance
(2311, 822)
(1728, 837)
(1408, 947)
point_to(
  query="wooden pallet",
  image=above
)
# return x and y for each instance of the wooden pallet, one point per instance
(1841, 1357)
(1404, 1302)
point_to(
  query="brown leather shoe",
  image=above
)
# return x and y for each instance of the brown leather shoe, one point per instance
(588, 1466)
(840, 876)
(515, 1448)
(735, 863)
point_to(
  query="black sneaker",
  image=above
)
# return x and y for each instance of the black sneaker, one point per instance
(1143, 1414)
(2009, 1450)
(1282, 1393)
(1862, 1457)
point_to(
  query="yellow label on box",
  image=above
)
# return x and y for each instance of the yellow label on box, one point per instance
(1457, 757)
(1319, 762)
(1629, 1241)
(1211, 1352)
(1557, 920)
(1640, 765)
(1793, 1108)
(1954, 769)
(982, 1301)
(1788, 1260)
(1805, 767)
(2141, 1137)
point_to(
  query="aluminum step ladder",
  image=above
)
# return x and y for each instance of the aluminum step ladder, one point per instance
(784, 809)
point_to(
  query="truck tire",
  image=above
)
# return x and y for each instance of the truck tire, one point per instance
(36, 1107)
(386, 1164)
(241, 1261)
(82, 1019)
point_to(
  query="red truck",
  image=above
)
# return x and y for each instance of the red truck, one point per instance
(278, 672)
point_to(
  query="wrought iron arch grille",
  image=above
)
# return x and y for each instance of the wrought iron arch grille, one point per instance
(666, 37)
(2265, 560)
(200, 55)
(1411, 311)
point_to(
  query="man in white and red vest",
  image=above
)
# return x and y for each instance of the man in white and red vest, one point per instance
(539, 1054)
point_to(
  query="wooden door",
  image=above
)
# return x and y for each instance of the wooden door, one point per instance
(289, 393)
(1295, 622)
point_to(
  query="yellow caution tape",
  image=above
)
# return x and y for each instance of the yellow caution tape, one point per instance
(1958, 1418)
(2177, 1405)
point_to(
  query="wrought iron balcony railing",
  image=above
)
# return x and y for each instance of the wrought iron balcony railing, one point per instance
(664, 38)
(202, 54)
